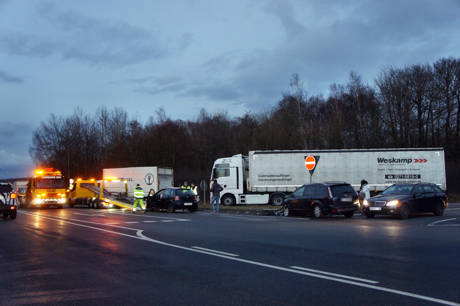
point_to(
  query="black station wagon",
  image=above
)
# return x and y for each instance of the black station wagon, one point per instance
(318, 200)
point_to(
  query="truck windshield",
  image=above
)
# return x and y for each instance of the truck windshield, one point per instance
(398, 189)
(221, 170)
(51, 183)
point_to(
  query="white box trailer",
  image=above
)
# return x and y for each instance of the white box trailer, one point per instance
(267, 176)
(155, 178)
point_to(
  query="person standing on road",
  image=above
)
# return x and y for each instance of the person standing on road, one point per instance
(150, 199)
(215, 196)
(138, 197)
(364, 192)
(185, 185)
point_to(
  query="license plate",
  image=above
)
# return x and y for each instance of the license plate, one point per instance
(375, 208)
(188, 204)
(347, 199)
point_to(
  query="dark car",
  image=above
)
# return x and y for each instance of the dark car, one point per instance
(173, 198)
(405, 199)
(8, 201)
(318, 200)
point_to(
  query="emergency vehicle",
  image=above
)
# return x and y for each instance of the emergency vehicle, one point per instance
(46, 188)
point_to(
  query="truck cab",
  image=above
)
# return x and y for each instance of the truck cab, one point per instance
(231, 173)
(47, 188)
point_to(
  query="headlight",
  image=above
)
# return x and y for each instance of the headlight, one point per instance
(37, 201)
(392, 203)
(62, 201)
(356, 202)
(365, 203)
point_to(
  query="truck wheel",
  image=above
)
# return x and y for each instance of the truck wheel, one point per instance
(277, 199)
(228, 200)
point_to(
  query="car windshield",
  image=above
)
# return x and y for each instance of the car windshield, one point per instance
(184, 192)
(341, 190)
(398, 189)
(51, 183)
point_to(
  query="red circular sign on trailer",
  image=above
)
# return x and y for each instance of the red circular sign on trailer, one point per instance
(310, 162)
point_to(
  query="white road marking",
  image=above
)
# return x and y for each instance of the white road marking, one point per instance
(150, 221)
(147, 216)
(91, 215)
(440, 221)
(131, 222)
(215, 251)
(336, 274)
(141, 236)
(83, 221)
(167, 220)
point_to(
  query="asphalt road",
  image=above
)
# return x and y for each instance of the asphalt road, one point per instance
(98, 257)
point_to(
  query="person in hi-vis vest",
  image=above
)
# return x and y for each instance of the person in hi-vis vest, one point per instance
(139, 197)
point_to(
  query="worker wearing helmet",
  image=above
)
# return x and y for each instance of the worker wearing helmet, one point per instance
(139, 197)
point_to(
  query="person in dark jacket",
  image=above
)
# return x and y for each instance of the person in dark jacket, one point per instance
(215, 196)
(150, 199)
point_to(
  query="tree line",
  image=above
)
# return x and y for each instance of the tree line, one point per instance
(409, 107)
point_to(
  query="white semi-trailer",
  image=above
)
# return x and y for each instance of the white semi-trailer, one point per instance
(155, 178)
(267, 176)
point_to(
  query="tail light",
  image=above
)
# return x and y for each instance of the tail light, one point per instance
(329, 192)
(176, 198)
(196, 197)
(13, 207)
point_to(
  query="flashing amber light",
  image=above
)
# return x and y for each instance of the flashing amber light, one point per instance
(13, 196)
(79, 179)
(91, 180)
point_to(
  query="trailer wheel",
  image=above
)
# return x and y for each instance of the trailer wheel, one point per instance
(228, 200)
(277, 199)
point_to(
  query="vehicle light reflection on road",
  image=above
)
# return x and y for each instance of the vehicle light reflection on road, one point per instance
(37, 221)
(393, 231)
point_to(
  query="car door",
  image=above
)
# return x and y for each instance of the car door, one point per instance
(161, 198)
(307, 199)
(419, 201)
(295, 203)
(431, 198)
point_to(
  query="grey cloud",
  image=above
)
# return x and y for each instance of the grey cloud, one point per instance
(90, 40)
(9, 78)
(285, 13)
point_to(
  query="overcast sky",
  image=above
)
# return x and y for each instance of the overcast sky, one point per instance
(235, 56)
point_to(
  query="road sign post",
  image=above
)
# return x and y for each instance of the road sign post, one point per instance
(310, 164)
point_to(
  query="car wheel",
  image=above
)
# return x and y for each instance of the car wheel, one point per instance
(349, 214)
(276, 199)
(228, 200)
(286, 211)
(439, 209)
(369, 215)
(317, 212)
(171, 208)
(404, 212)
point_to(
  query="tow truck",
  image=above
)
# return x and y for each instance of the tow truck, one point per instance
(8, 201)
(47, 188)
(100, 194)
